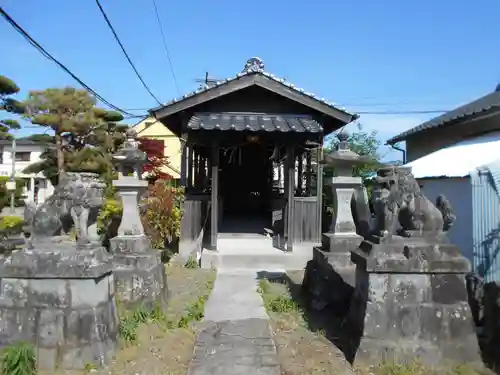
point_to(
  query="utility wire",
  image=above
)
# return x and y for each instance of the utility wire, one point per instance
(124, 51)
(47, 55)
(165, 45)
(400, 112)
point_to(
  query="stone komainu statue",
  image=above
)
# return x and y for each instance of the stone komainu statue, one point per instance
(397, 198)
(75, 201)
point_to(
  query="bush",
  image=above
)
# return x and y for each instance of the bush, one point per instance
(111, 211)
(5, 194)
(162, 216)
(11, 224)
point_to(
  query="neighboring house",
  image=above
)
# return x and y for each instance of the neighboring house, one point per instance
(154, 129)
(478, 117)
(37, 187)
(458, 155)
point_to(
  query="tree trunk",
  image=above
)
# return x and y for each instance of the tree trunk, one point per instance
(59, 153)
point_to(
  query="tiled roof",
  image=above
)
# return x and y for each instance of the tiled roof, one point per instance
(483, 104)
(255, 66)
(254, 122)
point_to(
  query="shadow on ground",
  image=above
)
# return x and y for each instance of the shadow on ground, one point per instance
(327, 320)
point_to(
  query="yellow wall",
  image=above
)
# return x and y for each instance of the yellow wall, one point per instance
(153, 129)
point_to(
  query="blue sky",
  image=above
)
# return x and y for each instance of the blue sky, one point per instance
(368, 56)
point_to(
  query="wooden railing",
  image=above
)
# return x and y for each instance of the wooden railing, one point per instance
(195, 211)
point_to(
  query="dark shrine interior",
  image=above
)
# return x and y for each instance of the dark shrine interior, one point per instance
(246, 182)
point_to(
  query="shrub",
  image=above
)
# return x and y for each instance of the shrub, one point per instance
(18, 359)
(162, 216)
(111, 211)
(5, 194)
(11, 224)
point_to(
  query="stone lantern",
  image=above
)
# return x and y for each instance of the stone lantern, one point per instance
(129, 164)
(344, 160)
(138, 271)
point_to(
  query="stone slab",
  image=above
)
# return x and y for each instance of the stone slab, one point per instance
(129, 244)
(56, 259)
(239, 347)
(235, 297)
(338, 243)
(410, 255)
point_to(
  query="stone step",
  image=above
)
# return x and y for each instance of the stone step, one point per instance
(255, 261)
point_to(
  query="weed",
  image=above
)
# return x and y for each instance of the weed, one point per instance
(264, 287)
(157, 314)
(280, 304)
(18, 359)
(90, 367)
(128, 329)
(191, 262)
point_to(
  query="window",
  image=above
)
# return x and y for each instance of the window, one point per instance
(23, 156)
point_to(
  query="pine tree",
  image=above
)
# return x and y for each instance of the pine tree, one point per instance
(84, 136)
(7, 89)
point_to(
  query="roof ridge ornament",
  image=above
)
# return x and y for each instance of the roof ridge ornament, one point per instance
(253, 64)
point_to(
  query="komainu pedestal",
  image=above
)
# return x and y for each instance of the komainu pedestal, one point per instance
(410, 301)
(61, 299)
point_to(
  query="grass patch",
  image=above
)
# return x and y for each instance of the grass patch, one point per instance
(18, 359)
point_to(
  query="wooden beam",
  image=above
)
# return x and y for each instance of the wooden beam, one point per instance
(215, 195)
(319, 190)
(308, 173)
(300, 172)
(290, 193)
(183, 177)
(190, 168)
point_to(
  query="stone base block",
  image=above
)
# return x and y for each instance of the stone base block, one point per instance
(72, 322)
(329, 281)
(141, 286)
(62, 299)
(399, 317)
(57, 258)
(130, 244)
(340, 243)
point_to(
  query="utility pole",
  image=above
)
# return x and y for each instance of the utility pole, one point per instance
(12, 185)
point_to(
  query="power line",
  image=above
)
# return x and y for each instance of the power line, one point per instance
(125, 52)
(165, 45)
(47, 55)
(400, 112)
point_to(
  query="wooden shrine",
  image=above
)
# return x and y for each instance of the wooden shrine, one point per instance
(249, 158)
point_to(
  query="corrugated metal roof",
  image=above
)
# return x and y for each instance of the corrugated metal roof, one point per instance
(254, 122)
(460, 159)
(476, 107)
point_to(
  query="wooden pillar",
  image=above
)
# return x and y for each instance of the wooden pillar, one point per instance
(319, 190)
(183, 179)
(196, 168)
(279, 176)
(190, 167)
(300, 171)
(289, 193)
(215, 195)
(308, 173)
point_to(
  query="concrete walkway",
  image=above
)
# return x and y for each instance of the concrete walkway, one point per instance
(236, 337)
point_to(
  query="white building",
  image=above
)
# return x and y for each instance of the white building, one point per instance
(37, 187)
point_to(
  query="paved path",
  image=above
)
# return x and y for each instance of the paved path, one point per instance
(236, 338)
